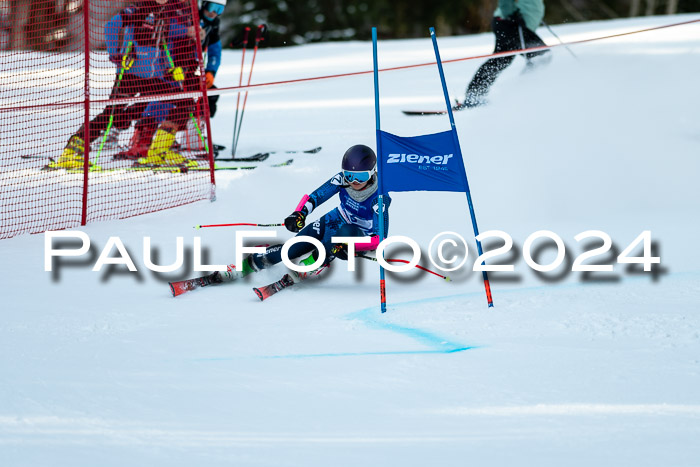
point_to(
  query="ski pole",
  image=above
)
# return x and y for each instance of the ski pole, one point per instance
(258, 38)
(199, 132)
(172, 66)
(522, 37)
(126, 64)
(237, 224)
(240, 83)
(406, 262)
(560, 41)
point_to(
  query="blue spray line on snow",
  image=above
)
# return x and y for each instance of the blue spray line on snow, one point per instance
(365, 354)
(370, 318)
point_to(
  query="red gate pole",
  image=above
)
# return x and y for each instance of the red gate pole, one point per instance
(194, 11)
(86, 125)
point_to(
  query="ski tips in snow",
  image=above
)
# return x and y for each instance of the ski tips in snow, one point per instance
(455, 108)
(261, 156)
(269, 290)
(424, 112)
(180, 287)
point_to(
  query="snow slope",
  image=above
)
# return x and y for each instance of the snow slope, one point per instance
(108, 369)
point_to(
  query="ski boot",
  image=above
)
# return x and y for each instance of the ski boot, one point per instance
(471, 101)
(140, 141)
(73, 156)
(297, 277)
(161, 153)
(231, 274)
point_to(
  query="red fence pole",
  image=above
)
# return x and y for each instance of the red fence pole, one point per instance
(203, 89)
(86, 125)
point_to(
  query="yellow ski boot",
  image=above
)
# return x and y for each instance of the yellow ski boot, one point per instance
(161, 153)
(72, 156)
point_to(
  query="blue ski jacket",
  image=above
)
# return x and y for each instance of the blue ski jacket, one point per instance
(212, 44)
(363, 213)
(150, 29)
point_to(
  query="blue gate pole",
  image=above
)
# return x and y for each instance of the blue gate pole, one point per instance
(487, 285)
(380, 186)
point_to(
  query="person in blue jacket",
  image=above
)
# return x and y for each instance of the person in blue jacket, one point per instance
(184, 55)
(356, 216)
(514, 23)
(209, 21)
(209, 15)
(147, 30)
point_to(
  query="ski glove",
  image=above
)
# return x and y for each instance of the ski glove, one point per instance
(177, 73)
(123, 61)
(209, 77)
(340, 251)
(295, 221)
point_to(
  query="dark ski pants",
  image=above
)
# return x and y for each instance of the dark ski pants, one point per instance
(330, 225)
(177, 111)
(507, 38)
(212, 103)
(131, 86)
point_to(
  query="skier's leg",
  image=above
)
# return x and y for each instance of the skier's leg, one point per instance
(322, 230)
(507, 38)
(538, 58)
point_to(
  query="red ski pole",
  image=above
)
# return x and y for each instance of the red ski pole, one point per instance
(246, 31)
(237, 224)
(406, 262)
(258, 38)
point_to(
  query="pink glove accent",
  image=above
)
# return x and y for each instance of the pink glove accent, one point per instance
(302, 202)
(372, 245)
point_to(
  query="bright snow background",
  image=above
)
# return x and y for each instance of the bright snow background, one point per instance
(108, 369)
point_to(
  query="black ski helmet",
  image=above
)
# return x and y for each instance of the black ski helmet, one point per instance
(359, 158)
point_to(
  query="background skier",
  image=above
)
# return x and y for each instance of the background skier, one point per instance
(514, 23)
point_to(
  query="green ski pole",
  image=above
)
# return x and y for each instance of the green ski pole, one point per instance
(126, 64)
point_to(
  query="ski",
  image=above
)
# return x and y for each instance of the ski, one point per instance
(98, 169)
(224, 167)
(163, 168)
(216, 167)
(424, 112)
(180, 287)
(267, 154)
(458, 106)
(124, 154)
(215, 149)
(287, 281)
(31, 156)
(259, 157)
(269, 290)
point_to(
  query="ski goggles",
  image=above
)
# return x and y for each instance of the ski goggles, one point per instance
(214, 7)
(357, 177)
